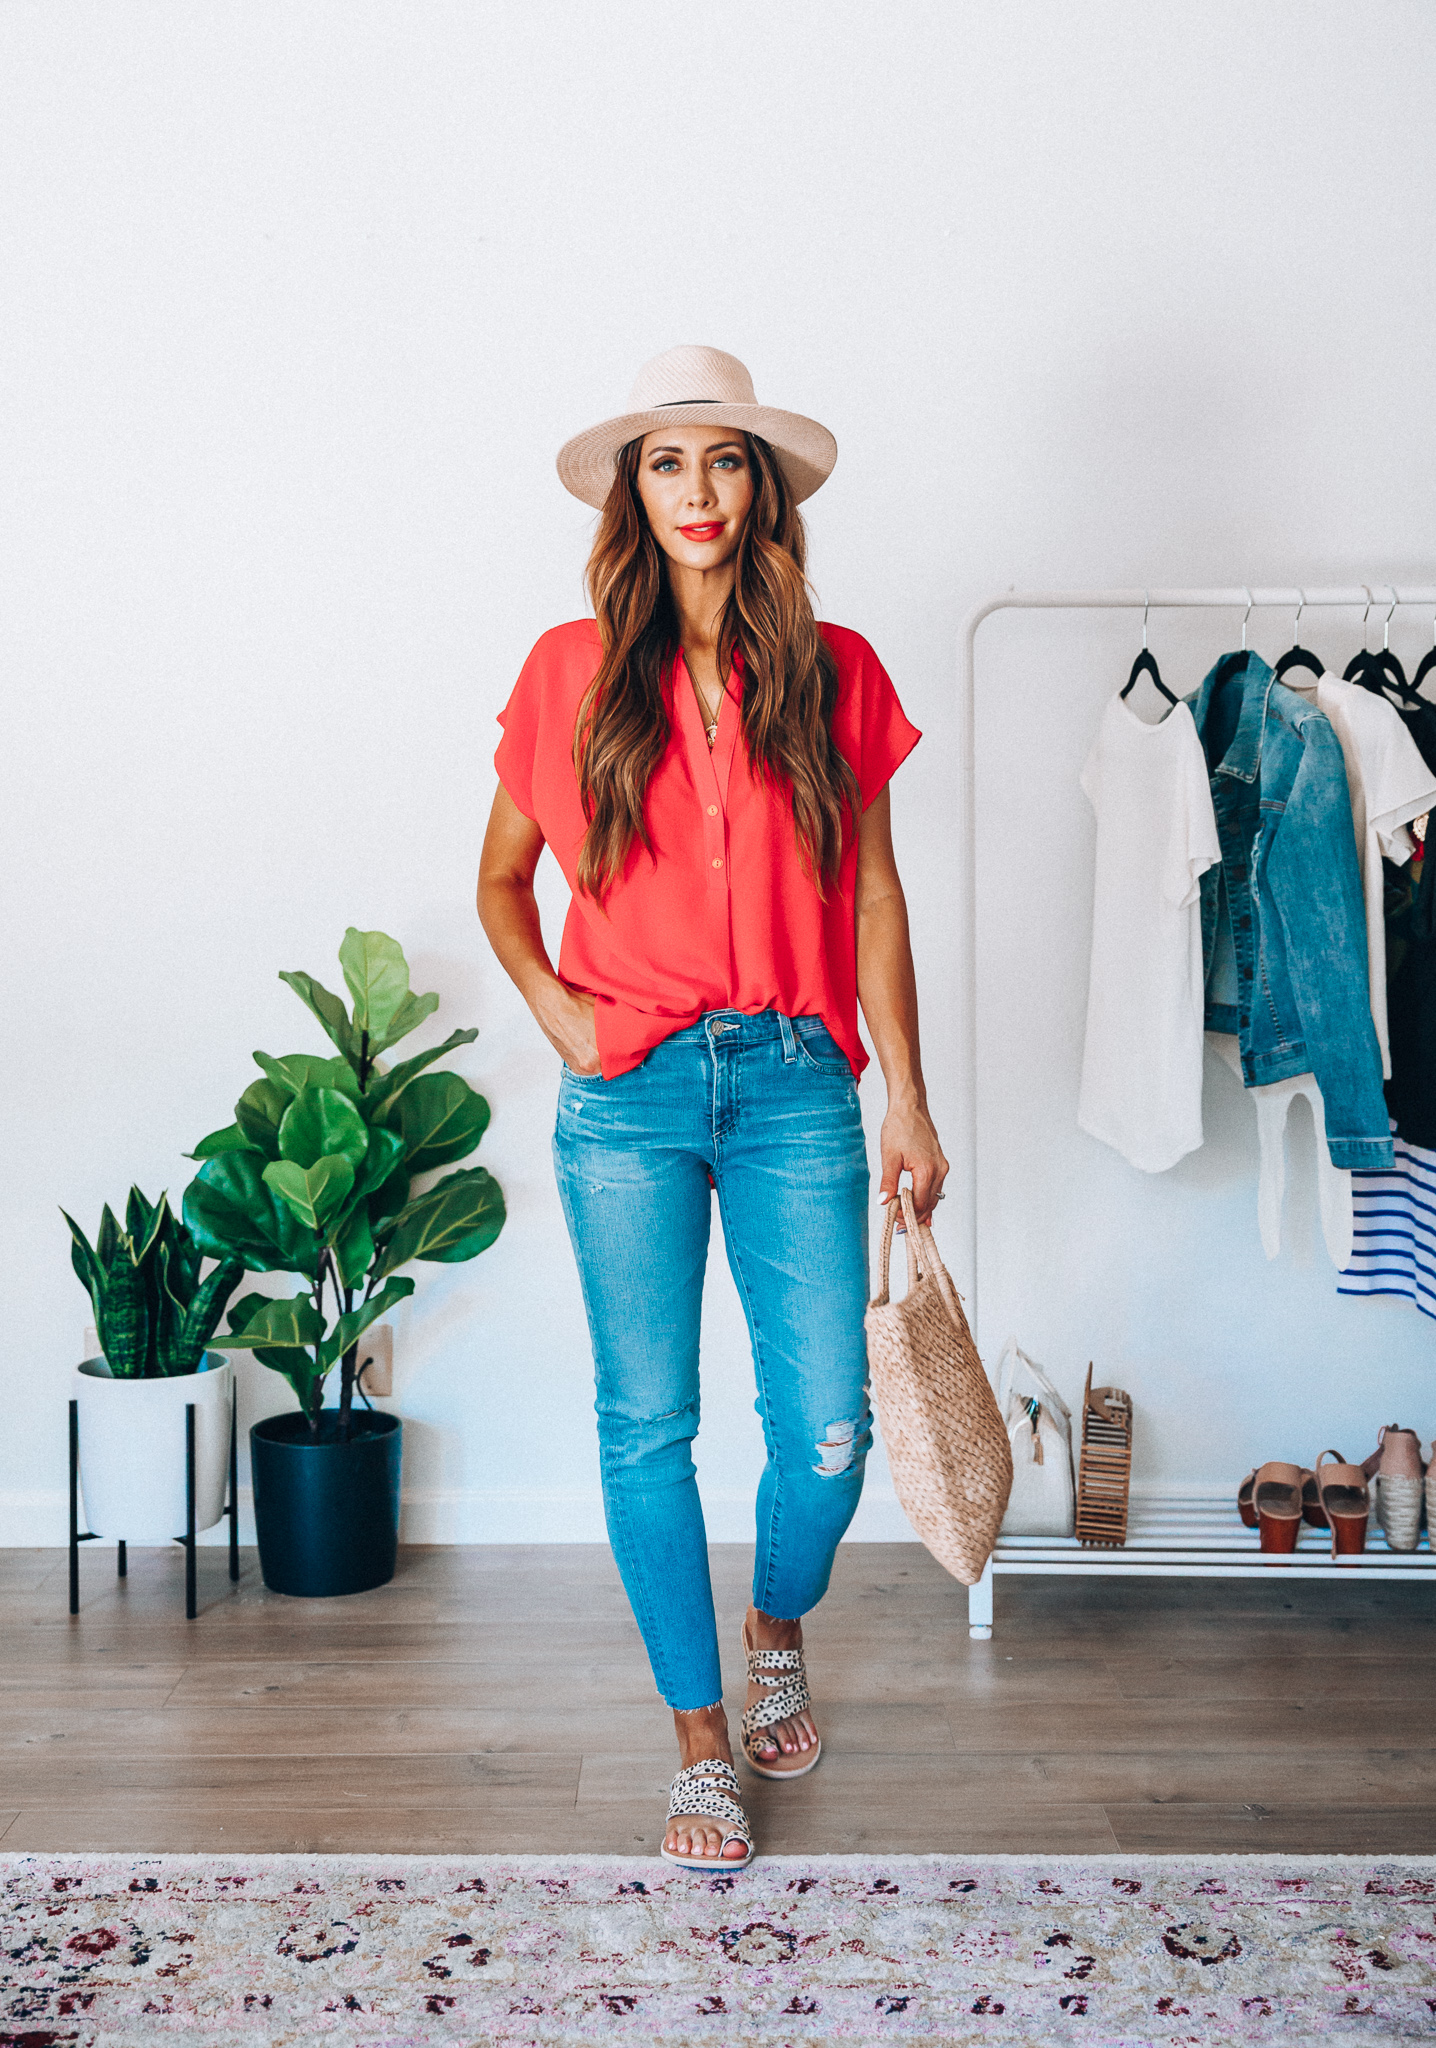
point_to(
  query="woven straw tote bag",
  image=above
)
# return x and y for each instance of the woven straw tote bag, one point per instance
(947, 1448)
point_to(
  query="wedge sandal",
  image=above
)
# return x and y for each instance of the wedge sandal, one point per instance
(1276, 1496)
(709, 1791)
(1346, 1498)
(783, 1675)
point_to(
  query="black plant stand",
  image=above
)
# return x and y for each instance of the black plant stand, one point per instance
(79, 1536)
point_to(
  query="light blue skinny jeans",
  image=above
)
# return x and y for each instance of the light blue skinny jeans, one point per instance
(768, 1106)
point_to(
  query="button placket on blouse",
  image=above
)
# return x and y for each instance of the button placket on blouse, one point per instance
(710, 770)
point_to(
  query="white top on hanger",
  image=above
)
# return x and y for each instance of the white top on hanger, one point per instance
(1156, 837)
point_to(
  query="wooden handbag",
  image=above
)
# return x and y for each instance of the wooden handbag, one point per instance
(946, 1444)
(1104, 1478)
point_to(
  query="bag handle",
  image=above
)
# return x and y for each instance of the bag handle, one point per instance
(890, 1217)
(923, 1259)
(1004, 1373)
(1014, 1363)
(903, 1207)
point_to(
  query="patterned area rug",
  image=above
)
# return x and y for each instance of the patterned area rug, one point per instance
(413, 1952)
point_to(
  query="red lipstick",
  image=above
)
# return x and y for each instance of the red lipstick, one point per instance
(710, 530)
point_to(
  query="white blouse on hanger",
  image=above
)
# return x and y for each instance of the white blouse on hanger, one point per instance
(1156, 836)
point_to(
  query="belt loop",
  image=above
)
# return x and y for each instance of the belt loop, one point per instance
(790, 1044)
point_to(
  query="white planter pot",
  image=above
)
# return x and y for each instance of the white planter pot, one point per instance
(132, 1449)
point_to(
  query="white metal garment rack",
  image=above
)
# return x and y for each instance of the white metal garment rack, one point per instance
(1202, 1538)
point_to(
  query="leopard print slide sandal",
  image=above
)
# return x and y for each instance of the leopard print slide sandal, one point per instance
(785, 1694)
(708, 1791)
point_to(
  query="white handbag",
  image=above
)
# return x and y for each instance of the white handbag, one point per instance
(1039, 1428)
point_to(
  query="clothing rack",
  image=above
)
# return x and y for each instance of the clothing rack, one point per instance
(1166, 1537)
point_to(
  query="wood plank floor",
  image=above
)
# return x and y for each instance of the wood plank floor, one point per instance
(498, 1700)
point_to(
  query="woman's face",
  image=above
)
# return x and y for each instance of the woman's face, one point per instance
(696, 484)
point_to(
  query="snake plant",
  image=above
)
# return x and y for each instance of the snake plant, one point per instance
(153, 1313)
(314, 1176)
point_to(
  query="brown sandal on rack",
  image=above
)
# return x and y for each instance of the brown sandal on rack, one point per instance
(1276, 1496)
(1312, 1510)
(1346, 1500)
(1244, 1500)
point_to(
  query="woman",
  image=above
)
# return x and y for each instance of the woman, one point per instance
(710, 768)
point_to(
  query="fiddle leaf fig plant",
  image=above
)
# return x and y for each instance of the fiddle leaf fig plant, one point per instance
(153, 1314)
(315, 1176)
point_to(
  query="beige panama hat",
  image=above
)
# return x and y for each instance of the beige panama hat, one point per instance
(696, 387)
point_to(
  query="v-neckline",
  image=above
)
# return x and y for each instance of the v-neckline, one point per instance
(718, 757)
(700, 701)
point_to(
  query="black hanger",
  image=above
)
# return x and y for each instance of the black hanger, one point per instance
(1428, 663)
(1146, 665)
(1296, 655)
(1378, 672)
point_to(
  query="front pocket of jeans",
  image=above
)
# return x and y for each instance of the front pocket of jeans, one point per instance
(837, 1067)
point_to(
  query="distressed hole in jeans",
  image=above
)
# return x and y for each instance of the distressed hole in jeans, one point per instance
(836, 1449)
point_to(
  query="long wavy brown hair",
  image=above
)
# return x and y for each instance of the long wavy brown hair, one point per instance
(790, 678)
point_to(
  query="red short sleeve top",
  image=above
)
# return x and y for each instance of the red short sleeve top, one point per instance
(722, 915)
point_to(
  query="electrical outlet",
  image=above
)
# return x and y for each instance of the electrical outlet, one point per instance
(376, 1360)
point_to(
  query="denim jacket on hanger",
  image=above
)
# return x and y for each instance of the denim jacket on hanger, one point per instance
(1283, 918)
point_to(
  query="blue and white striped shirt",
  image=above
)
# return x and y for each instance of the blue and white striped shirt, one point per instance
(1394, 1233)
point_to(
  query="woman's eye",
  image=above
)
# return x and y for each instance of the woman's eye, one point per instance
(666, 464)
(727, 462)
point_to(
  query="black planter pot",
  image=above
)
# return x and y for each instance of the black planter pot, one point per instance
(326, 1513)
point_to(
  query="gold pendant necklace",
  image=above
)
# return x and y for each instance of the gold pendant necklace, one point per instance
(710, 731)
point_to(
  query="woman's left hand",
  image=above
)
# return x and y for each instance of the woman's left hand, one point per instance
(910, 1144)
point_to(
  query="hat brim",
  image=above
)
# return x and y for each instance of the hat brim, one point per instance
(806, 450)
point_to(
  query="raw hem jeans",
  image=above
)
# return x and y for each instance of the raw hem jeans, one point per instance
(768, 1106)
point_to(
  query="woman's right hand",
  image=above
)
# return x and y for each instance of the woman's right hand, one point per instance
(566, 1019)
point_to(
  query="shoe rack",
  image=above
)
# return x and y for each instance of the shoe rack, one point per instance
(1197, 1538)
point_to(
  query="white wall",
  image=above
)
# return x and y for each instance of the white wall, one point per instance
(301, 299)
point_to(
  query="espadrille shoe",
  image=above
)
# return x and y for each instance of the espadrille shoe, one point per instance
(709, 1791)
(785, 1681)
(1398, 1480)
